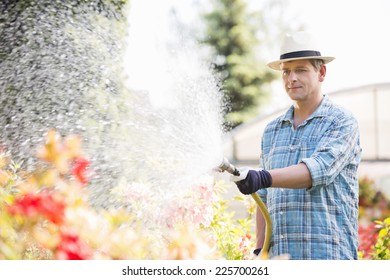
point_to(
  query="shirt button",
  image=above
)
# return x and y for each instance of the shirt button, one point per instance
(281, 236)
(281, 212)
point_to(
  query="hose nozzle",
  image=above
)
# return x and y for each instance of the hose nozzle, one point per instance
(227, 166)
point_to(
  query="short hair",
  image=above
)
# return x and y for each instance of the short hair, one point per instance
(317, 63)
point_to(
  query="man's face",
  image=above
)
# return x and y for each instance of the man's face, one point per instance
(301, 80)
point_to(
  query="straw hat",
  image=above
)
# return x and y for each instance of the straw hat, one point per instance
(301, 45)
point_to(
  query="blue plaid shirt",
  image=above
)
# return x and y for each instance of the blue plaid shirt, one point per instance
(320, 222)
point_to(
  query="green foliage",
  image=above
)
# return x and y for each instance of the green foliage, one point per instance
(231, 32)
(45, 214)
(382, 246)
(374, 222)
(233, 235)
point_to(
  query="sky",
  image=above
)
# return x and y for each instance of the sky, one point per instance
(354, 31)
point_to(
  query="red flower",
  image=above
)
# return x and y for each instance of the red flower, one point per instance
(79, 170)
(71, 247)
(367, 239)
(44, 204)
(244, 240)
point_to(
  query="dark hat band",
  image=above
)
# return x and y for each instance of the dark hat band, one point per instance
(302, 54)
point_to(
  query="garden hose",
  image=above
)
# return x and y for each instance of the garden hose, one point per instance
(268, 225)
(227, 166)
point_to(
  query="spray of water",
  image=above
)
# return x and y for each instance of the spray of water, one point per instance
(178, 108)
(62, 67)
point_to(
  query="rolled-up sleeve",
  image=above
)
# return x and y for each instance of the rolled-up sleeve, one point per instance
(336, 149)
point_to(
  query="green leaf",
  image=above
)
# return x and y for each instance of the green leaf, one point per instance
(382, 233)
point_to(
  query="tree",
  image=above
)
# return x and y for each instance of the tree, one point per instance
(231, 32)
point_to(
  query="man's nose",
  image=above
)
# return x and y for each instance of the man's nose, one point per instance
(292, 77)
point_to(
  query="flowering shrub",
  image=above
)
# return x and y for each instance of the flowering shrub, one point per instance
(367, 238)
(382, 245)
(374, 207)
(374, 240)
(233, 236)
(46, 214)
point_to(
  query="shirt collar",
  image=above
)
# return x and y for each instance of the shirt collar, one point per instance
(321, 111)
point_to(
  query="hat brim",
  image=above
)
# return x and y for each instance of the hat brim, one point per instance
(276, 64)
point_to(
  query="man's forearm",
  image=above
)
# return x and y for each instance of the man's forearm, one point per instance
(260, 228)
(293, 177)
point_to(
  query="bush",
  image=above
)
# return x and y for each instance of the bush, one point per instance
(374, 210)
(233, 236)
(382, 245)
(46, 214)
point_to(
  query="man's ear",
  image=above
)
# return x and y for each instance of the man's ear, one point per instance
(322, 73)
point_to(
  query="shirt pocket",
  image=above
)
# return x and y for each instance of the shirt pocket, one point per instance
(308, 148)
(278, 157)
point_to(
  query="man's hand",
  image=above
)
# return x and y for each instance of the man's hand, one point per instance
(251, 180)
(243, 173)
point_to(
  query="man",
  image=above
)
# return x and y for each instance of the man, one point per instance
(310, 157)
